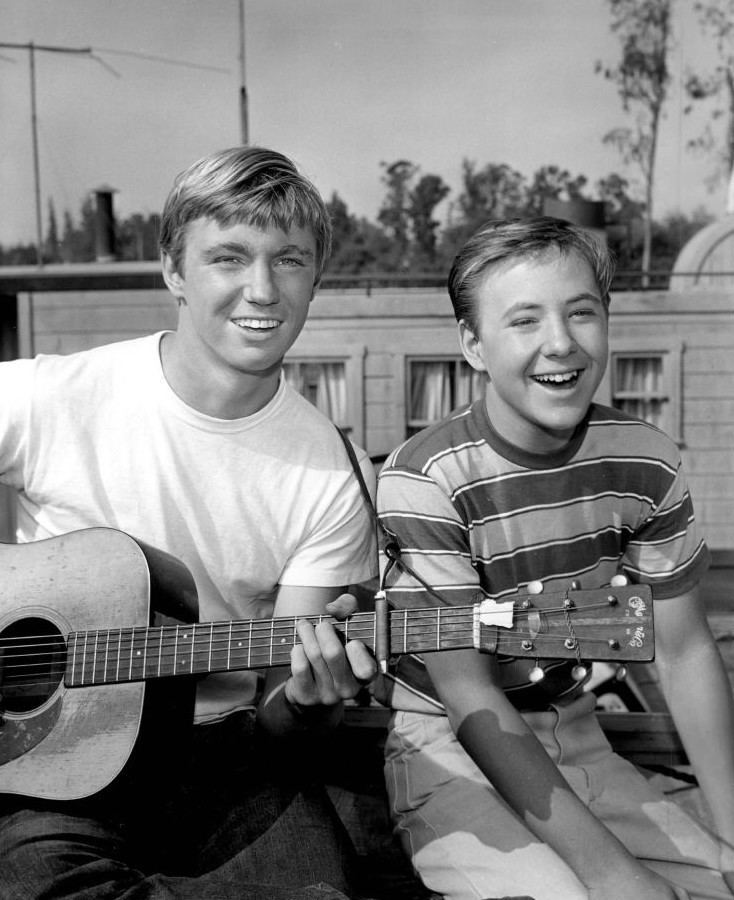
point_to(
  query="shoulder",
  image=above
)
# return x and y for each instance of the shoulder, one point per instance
(314, 440)
(428, 448)
(613, 432)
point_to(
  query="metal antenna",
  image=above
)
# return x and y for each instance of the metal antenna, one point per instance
(32, 48)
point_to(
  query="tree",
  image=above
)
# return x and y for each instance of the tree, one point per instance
(394, 214)
(641, 77)
(717, 19)
(554, 183)
(52, 247)
(358, 246)
(422, 202)
(496, 191)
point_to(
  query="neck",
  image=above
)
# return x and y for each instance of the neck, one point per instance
(211, 389)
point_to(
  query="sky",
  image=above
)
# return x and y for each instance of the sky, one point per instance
(339, 85)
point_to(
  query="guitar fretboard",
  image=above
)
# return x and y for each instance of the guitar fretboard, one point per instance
(108, 656)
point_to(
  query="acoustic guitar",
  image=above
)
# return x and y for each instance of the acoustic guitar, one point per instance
(87, 618)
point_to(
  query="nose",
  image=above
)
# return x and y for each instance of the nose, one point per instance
(259, 287)
(558, 339)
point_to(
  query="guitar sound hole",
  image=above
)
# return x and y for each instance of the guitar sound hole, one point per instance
(32, 662)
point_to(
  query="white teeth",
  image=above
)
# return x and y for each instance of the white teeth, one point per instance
(559, 378)
(258, 324)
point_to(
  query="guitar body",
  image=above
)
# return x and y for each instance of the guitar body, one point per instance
(58, 743)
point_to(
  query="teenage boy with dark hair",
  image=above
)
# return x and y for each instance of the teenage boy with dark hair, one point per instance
(500, 779)
(192, 441)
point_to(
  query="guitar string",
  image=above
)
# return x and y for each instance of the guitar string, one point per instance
(284, 628)
(411, 630)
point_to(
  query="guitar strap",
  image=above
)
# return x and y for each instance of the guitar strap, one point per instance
(387, 542)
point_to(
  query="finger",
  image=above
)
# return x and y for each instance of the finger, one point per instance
(342, 607)
(320, 660)
(361, 661)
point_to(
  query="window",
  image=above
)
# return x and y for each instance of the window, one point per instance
(323, 383)
(435, 387)
(645, 382)
(331, 379)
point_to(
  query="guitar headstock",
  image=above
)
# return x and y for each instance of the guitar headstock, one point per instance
(610, 623)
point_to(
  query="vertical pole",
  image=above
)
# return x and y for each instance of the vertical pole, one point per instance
(36, 168)
(244, 127)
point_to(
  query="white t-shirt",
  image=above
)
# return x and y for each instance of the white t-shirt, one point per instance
(99, 438)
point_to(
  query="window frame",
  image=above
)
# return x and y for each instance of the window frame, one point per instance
(410, 426)
(670, 351)
(309, 349)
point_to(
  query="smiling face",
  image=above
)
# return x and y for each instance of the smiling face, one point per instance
(542, 339)
(244, 294)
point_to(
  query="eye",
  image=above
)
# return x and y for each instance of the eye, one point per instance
(289, 261)
(523, 322)
(585, 312)
(227, 260)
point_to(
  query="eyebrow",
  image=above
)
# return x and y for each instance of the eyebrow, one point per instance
(236, 247)
(528, 306)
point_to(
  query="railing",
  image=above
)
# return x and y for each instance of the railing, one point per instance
(147, 276)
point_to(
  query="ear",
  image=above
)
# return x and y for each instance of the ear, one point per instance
(471, 347)
(174, 280)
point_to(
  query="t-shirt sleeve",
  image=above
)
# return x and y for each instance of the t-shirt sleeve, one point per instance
(341, 547)
(432, 539)
(667, 551)
(16, 380)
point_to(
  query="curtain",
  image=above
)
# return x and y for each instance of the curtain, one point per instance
(641, 376)
(437, 387)
(430, 390)
(322, 383)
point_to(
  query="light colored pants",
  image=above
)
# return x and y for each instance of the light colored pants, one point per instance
(466, 843)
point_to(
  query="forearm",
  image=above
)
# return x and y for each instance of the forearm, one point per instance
(513, 760)
(699, 696)
(504, 748)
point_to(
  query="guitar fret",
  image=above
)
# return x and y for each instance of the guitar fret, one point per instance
(119, 649)
(106, 655)
(175, 649)
(160, 653)
(145, 651)
(84, 658)
(438, 629)
(229, 646)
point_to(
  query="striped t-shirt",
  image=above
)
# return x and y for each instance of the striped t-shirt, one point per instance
(474, 514)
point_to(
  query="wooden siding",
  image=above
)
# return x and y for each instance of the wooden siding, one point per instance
(388, 326)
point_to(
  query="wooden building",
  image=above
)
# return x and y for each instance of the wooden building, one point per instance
(385, 361)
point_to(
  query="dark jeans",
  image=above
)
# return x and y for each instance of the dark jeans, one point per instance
(232, 815)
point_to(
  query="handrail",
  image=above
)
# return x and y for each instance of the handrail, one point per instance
(147, 276)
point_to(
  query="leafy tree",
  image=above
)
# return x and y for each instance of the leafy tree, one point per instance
(641, 77)
(552, 182)
(52, 247)
(422, 202)
(394, 214)
(494, 192)
(137, 237)
(716, 18)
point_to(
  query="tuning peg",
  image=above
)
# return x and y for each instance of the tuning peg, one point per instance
(621, 673)
(619, 581)
(575, 585)
(535, 587)
(536, 674)
(578, 673)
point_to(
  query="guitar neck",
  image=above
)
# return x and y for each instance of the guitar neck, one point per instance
(601, 624)
(136, 654)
